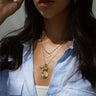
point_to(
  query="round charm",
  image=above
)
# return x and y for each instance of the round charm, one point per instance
(45, 74)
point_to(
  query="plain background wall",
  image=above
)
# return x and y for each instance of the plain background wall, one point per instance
(17, 20)
(94, 7)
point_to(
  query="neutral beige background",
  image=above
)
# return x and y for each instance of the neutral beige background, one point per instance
(17, 20)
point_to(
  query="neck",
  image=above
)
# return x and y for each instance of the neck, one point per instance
(56, 28)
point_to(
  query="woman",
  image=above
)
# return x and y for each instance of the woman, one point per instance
(58, 48)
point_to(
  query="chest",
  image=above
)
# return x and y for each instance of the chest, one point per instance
(44, 64)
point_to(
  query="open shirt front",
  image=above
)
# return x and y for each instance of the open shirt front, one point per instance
(65, 80)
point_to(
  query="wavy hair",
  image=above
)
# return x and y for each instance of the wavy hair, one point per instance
(82, 26)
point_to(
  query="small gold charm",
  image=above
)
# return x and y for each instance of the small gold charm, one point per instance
(45, 74)
(44, 70)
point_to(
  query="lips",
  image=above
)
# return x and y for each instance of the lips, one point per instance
(45, 1)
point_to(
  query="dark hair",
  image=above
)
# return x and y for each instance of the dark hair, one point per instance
(82, 26)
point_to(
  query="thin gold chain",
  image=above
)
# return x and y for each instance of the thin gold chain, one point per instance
(44, 68)
(51, 57)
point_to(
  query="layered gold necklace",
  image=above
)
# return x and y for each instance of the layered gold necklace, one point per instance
(44, 68)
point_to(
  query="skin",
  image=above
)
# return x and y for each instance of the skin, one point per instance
(55, 22)
(55, 19)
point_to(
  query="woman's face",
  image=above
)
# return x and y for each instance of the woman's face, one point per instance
(50, 8)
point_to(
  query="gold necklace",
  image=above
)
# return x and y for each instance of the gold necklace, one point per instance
(44, 68)
(50, 53)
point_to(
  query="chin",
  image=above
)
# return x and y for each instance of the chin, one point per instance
(47, 15)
